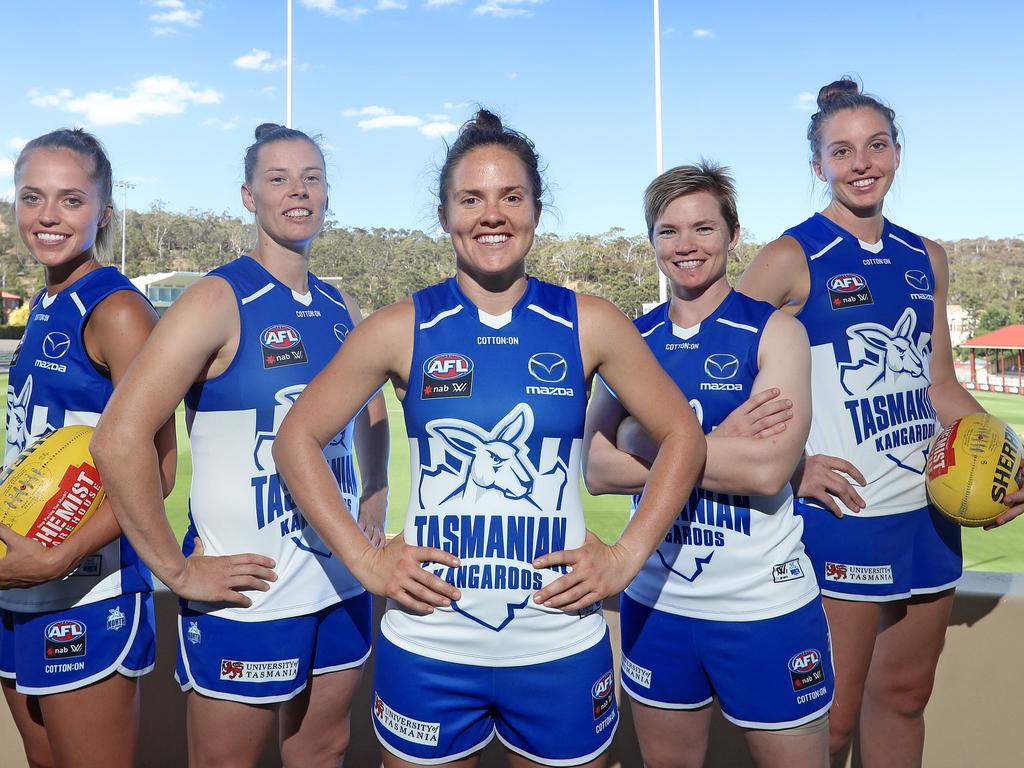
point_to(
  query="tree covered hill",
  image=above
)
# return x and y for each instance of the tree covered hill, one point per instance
(381, 266)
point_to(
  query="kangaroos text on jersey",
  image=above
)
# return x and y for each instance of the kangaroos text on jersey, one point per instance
(494, 413)
(53, 383)
(869, 318)
(727, 557)
(238, 501)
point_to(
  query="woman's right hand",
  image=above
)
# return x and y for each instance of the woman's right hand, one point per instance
(222, 579)
(396, 571)
(826, 478)
(761, 415)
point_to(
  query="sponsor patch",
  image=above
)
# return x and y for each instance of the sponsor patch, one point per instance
(805, 669)
(917, 280)
(340, 331)
(416, 731)
(90, 566)
(607, 722)
(259, 671)
(115, 619)
(282, 345)
(636, 673)
(447, 375)
(195, 635)
(858, 574)
(787, 571)
(548, 367)
(602, 694)
(848, 290)
(721, 366)
(65, 639)
(56, 345)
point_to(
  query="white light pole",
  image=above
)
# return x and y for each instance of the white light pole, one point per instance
(124, 186)
(658, 150)
(288, 87)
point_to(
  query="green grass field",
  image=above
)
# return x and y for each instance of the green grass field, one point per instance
(999, 550)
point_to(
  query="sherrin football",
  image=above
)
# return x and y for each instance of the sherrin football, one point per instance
(974, 463)
(52, 487)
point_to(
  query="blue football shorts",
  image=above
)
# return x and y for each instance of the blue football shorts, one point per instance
(881, 559)
(262, 662)
(769, 674)
(63, 650)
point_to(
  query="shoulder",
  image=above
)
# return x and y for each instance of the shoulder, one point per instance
(783, 328)
(393, 319)
(597, 308)
(784, 250)
(123, 309)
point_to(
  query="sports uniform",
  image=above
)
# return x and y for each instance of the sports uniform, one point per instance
(869, 318)
(76, 630)
(728, 603)
(238, 503)
(494, 413)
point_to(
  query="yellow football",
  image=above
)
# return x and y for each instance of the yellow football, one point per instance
(974, 463)
(52, 488)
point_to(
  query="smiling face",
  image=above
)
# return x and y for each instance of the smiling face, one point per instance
(490, 214)
(288, 193)
(858, 159)
(59, 207)
(692, 241)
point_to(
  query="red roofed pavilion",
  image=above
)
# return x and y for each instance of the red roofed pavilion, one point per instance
(1007, 344)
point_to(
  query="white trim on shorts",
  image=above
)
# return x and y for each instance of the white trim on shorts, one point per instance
(5, 675)
(115, 667)
(190, 684)
(941, 588)
(853, 598)
(341, 667)
(569, 761)
(428, 760)
(665, 704)
(782, 726)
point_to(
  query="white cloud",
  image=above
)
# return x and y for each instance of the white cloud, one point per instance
(805, 102)
(267, 90)
(453, 105)
(390, 121)
(704, 34)
(258, 59)
(391, 5)
(169, 3)
(224, 125)
(437, 129)
(6, 167)
(175, 15)
(162, 31)
(504, 9)
(17, 143)
(438, 118)
(183, 16)
(370, 111)
(153, 96)
(439, 3)
(330, 7)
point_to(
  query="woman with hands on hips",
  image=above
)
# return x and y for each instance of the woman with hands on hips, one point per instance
(727, 607)
(278, 634)
(495, 586)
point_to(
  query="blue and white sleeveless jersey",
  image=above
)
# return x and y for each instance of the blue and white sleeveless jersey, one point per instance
(727, 557)
(238, 502)
(869, 318)
(53, 384)
(495, 412)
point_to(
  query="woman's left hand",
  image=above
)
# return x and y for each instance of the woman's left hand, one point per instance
(1015, 507)
(597, 570)
(28, 562)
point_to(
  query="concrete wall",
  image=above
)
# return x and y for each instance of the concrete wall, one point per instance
(971, 720)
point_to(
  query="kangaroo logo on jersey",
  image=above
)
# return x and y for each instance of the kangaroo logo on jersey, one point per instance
(56, 345)
(549, 367)
(282, 345)
(848, 290)
(479, 496)
(917, 280)
(447, 375)
(25, 423)
(65, 639)
(883, 356)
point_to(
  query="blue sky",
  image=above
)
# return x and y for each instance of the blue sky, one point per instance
(175, 87)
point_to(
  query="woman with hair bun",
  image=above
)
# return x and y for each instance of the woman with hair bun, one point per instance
(500, 631)
(872, 296)
(280, 633)
(76, 620)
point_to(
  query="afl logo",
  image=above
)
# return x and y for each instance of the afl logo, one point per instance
(56, 345)
(65, 631)
(340, 331)
(549, 367)
(721, 366)
(447, 366)
(805, 661)
(603, 687)
(280, 337)
(848, 283)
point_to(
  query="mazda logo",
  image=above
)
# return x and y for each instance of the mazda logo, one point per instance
(56, 345)
(549, 367)
(721, 366)
(917, 279)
